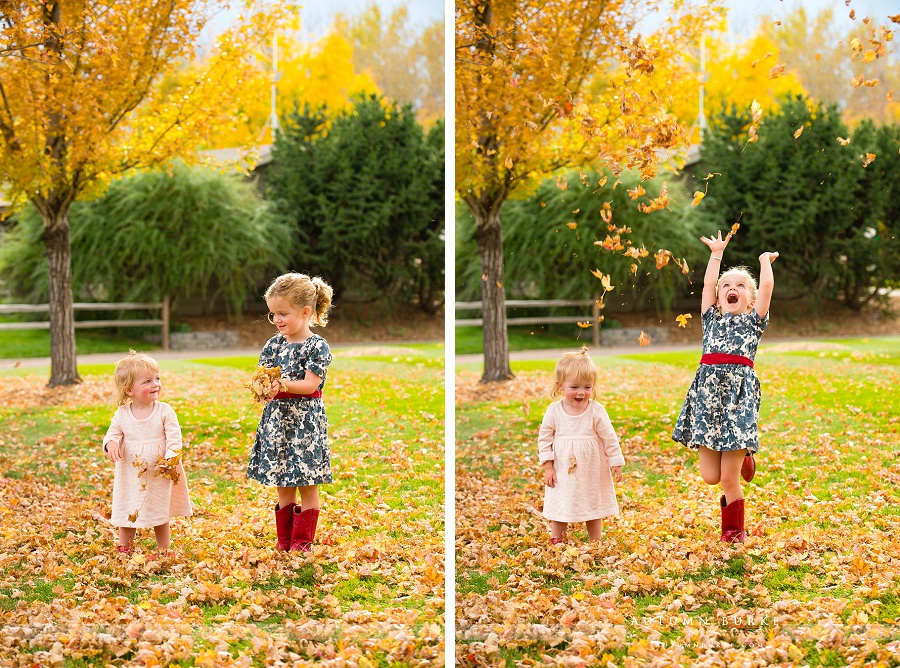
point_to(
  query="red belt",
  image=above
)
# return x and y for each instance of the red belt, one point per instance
(725, 358)
(291, 395)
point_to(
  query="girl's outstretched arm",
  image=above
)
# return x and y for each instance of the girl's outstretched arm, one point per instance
(766, 284)
(711, 277)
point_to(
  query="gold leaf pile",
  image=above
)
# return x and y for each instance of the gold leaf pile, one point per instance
(261, 382)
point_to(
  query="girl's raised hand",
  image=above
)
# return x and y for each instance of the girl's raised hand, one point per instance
(768, 257)
(716, 243)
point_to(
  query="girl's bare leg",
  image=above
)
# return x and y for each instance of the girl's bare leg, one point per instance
(286, 496)
(558, 529)
(163, 536)
(731, 474)
(309, 497)
(595, 529)
(710, 465)
(126, 536)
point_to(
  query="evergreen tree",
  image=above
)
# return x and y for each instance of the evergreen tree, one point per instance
(544, 257)
(803, 190)
(364, 196)
(165, 233)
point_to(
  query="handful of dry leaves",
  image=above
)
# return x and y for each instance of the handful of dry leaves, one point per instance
(261, 382)
(168, 468)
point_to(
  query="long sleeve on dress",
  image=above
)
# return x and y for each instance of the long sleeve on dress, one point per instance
(545, 437)
(172, 431)
(114, 433)
(607, 435)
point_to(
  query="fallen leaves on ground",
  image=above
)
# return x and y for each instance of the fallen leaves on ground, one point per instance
(370, 591)
(816, 582)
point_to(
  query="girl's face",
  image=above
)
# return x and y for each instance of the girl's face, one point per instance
(577, 392)
(145, 388)
(735, 294)
(290, 321)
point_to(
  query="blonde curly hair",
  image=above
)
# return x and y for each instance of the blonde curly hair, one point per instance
(575, 365)
(302, 291)
(127, 369)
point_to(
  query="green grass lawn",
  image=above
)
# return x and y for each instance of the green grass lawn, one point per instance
(815, 584)
(36, 343)
(370, 593)
(469, 340)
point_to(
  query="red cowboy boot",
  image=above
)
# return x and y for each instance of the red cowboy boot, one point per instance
(284, 522)
(748, 468)
(304, 529)
(732, 521)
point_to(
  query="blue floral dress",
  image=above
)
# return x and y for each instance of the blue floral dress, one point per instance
(721, 409)
(291, 444)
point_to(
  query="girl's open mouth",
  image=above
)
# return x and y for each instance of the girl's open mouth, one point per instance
(732, 298)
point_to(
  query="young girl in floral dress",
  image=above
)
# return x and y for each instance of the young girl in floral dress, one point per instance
(290, 451)
(720, 413)
(579, 451)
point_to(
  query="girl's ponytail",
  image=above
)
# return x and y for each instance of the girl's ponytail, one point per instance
(322, 302)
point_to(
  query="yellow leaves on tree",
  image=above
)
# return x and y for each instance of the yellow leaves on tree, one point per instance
(317, 74)
(83, 101)
(738, 74)
(551, 85)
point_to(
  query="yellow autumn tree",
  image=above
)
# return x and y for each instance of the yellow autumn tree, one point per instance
(317, 74)
(736, 74)
(544, 85)
(80, 103)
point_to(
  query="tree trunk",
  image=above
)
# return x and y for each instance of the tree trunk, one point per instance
(489, 235)
(63, 365)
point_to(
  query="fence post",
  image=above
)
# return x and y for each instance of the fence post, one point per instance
(595, 312)
(165, 325)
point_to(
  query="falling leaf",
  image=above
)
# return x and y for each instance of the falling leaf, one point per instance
(698, 197)
(561, 182)
(853, 14)
(585, 324)
(890, 96)
(867, 160)
(571, 226)
(682, 319)
(798, 132)
(644, 339)
(133, 516)
(602, 182)
(634, 269)
(843, 141)
(583, 177)
(499, 284)
(606, 282)
(777, 70)
(526, 408)
(573, 464)
(662, 258)
(508, 163)
(638, 191)
(734, 229)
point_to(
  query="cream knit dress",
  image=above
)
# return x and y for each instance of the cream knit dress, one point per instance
(583, 448)
(141, 498)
